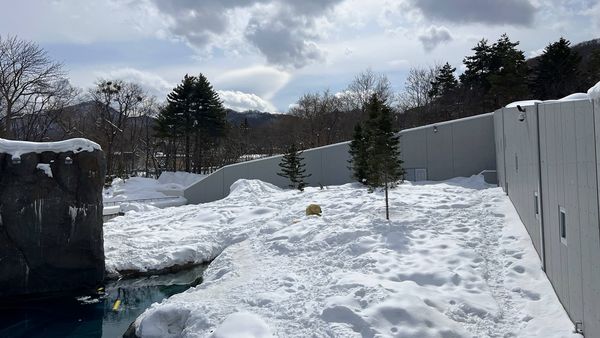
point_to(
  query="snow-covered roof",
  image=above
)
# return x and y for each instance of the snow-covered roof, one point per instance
(17, 148)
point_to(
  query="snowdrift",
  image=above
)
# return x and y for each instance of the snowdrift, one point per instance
(455, 261)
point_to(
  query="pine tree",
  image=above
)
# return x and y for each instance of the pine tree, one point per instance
(384, 166)
(293, 168)
(359, 155)
(195, 110)
(179, 105)
(556, 73)
(168, 127)
(508, 73)
(477, 67)
(445, 82)
(208, 117)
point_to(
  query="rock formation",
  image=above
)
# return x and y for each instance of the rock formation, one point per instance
(50, 216)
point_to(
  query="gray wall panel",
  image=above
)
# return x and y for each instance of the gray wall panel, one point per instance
(439, 153)
(420, 148)
(568, 146)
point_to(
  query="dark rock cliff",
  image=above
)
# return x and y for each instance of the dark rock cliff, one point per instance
(51, 236)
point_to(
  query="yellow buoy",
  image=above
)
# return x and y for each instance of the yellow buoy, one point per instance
(117, 305)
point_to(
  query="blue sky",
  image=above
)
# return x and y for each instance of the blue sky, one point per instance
(264, 54)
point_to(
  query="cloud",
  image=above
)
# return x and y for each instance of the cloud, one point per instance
(434, 36)
(284, 39)
(284, 31)
(240, 101)
(494, 12)
(152, 83)
(262, 80)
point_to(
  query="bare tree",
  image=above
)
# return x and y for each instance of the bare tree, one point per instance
(27, 75)
(364, 85)
(417, 87)
(117, 101)
(40, 120)
(319, 116)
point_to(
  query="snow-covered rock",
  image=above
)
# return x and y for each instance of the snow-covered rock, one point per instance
(17, 148)
(454, 261)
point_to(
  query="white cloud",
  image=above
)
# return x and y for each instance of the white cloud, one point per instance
(263, 80)
(78, 21)
(241, 101)
(152, 83)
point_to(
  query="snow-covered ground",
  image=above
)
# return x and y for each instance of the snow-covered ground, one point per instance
(454, 261)
(143, 194)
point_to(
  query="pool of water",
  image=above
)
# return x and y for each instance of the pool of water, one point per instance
(93, 316)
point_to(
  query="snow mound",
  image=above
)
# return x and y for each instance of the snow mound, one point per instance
(454, 261)
(244, 187)
(243, 325)
(17, 148)
(594, 92)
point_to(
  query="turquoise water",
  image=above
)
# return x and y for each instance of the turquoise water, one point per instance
(78, 316)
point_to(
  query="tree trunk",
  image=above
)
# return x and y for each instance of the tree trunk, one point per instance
(8, 123)
(187, 153)
(387, 209)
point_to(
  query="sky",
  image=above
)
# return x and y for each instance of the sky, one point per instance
(264, 54)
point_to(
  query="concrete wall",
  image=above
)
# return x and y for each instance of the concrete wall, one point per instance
(457, 148)
(553, 153)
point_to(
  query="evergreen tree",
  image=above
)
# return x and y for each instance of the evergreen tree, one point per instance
(444, 83)
(293, 168)
(508, 73)
(195, 110)
(168, 127)
(496, 74)
(593, 69)
(383, 163)
(358, 152)
(556, 72)
(477, 67)
(208, 117)
(179, 106)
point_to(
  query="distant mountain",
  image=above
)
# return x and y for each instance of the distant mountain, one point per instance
(255, 118)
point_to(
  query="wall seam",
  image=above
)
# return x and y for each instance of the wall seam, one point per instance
(540, 190)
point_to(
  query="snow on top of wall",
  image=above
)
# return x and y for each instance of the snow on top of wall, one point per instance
(18, 148)
(523, 103)
(575, 97)
(594, 92)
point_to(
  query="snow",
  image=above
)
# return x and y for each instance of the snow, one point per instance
(243, 325)
(167, 191)
(575, 97)
(45, 167)
(454, 261)
(594, 92)
(523, 103)
(17, 148)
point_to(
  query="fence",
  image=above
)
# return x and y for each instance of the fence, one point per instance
(440, 151)
(548, 164)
